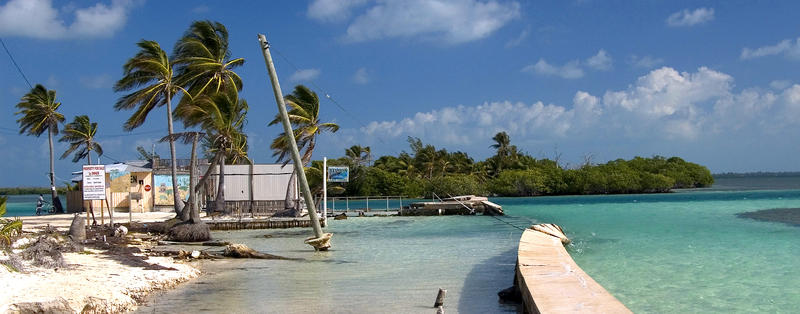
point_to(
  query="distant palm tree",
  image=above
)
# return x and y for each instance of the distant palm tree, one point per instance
(39, 113)
(204, 61)
(360, 155)
(223, 118)
(304, 115)
(502, 143)
(80, 135)
(150, 74)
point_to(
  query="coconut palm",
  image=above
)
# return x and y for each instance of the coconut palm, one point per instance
(502, 143)
(360, 155)
(39, 113)
(150, 74)
(190, 212)
(303, 113)
(80, 135)
(204, 61)
(223, 118)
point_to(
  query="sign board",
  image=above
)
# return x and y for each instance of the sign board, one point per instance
(119, 177)
(94, 182)
(147, 188)
(338, 174)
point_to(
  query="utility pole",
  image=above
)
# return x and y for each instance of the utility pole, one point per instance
(320, 241)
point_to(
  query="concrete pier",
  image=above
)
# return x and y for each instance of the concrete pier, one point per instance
(551, 282)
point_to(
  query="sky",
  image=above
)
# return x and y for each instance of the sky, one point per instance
(716, 83)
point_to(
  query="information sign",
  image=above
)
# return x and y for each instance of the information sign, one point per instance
(94, 182)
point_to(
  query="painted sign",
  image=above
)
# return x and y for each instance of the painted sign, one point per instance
(164, 190)
(94, 182)
(338, 174)
(119, 177)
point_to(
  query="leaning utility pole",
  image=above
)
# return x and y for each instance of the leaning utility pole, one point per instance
(320, 241)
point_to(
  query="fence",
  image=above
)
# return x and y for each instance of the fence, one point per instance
(367, 203)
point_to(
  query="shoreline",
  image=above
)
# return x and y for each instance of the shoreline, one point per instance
(96, 280)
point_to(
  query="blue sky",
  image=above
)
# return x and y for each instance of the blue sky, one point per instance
(713, 82)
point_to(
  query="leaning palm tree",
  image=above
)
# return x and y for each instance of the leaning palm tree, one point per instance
(150, 74)
(204, 61)
(39, 113)
(304, 115)
(80, 135)
(223, 118)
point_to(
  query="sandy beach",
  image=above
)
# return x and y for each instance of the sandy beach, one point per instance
(92, 281)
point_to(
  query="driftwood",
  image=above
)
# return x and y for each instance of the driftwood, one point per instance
(234, 250)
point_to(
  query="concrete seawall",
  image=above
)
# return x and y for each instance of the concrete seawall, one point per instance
(551, 282)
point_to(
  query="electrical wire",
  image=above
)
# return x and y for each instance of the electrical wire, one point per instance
(326, 94)
(15, 63)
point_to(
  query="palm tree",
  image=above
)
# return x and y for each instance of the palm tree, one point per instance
(304, 114)
(150, 73)
(80, 135)
(39, 113)
(190, 212)
(204, 61)
(502, 142)
(223, 118)
(360, 155)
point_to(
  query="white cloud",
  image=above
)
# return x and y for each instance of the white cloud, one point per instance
(39, 19)
(690, 18)
(570, 70)
(332, 10)
(646, 62)
(361, 76)
(600, 61)
(780, 84)
(450, 21)
(519, 39)
(52, 81)
(663, 105)
(97, 81)
(200, 9)
(787, 47)
(304, 75)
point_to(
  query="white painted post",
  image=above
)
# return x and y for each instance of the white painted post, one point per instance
(325, 190)
(367, 209)
(387, 203)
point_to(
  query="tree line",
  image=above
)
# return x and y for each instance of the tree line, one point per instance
(509, 172)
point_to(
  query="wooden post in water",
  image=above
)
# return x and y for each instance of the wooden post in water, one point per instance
(440, 298)
(320, 241)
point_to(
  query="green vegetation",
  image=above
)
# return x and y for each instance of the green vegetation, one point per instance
(9, 228)
(80, 135)
(509, 172)
(303, 113)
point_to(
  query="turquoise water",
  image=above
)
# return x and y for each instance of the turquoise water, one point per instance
(22, 205)
(678, 252)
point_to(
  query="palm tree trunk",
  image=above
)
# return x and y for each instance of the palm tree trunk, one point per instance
(220, 202)
(206, 175)
(288, 202)
(252, 166)
(190, 211)
(176, 197)
(53, 192)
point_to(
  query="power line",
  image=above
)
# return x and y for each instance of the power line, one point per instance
(326, 94)
(15, 63)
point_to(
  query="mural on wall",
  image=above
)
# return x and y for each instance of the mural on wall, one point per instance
(162, 186)
(119, 178)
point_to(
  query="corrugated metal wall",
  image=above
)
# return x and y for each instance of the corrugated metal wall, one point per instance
(269, 182)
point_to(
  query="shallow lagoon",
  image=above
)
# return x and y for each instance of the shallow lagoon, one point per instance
(679, 252)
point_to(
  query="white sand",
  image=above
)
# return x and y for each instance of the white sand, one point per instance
(94, 283)
(62, 221)
(97, 282)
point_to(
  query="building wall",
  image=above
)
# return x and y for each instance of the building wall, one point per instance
(118, 200)
(162, 187)
(269, 182)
